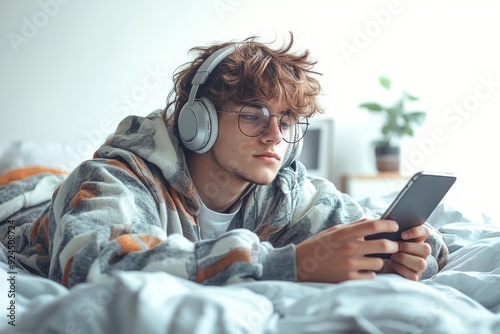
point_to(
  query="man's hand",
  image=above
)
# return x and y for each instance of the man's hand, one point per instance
(410, 260)
(338, 254)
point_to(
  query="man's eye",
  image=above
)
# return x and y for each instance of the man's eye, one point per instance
(249, 118)
(287, 121)
(285, 125)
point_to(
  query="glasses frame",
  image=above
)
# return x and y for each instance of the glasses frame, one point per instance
(304, 121)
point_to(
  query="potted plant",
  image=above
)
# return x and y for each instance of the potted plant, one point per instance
(398, 123)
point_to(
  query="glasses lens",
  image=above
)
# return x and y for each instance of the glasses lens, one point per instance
(296, 131)
(253, 119)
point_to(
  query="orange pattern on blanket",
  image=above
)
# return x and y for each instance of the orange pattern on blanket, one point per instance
(128, 244)
(41, 227)
(149, 240)
(264, 231)
(65, 277)
(25, 172)
(122, 165)
(235, 255)
(87, 190)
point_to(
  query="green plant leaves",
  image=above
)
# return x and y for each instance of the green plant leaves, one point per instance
(371, 106)
(417, 117)
(410, 97)
(385, 82)
(399, 122)
(408, 131)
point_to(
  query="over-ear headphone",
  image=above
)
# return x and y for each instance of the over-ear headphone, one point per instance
(197, 122)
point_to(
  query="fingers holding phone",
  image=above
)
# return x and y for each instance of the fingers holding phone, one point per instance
(339, 253)
(416, 234)
(410, 260)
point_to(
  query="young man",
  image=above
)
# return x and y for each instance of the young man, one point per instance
(207, 189)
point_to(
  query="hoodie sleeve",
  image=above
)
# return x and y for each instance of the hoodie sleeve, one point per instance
(105, 217)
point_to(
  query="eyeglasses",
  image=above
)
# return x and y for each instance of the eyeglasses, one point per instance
(254, 119)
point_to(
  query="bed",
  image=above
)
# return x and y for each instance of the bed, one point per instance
(463, 298)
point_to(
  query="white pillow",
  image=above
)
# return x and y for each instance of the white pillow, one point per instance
(65, 156)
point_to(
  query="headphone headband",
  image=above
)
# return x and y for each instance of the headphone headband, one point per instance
(206, 68)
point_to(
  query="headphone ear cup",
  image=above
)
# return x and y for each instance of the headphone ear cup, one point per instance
(294, 149)
(198, 125)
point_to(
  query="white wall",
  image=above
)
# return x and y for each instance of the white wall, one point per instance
(71, 69)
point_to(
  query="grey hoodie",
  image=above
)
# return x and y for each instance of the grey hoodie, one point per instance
(134, 207)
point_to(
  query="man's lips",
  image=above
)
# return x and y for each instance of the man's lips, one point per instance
(268, 155)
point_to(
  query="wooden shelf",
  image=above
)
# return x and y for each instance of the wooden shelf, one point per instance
(366, 185)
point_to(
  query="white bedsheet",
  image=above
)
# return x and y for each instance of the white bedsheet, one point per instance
(463, 298)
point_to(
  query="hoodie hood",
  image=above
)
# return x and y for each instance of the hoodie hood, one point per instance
(149, 139)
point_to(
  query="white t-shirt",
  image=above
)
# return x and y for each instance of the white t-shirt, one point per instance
(212, 223)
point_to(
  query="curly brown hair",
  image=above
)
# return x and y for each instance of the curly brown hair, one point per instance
(253, 72)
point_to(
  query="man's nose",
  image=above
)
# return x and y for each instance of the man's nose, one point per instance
(273, 130)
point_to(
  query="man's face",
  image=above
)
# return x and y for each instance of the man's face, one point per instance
(251, 159)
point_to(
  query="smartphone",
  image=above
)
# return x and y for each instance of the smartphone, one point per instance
(415, 203)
